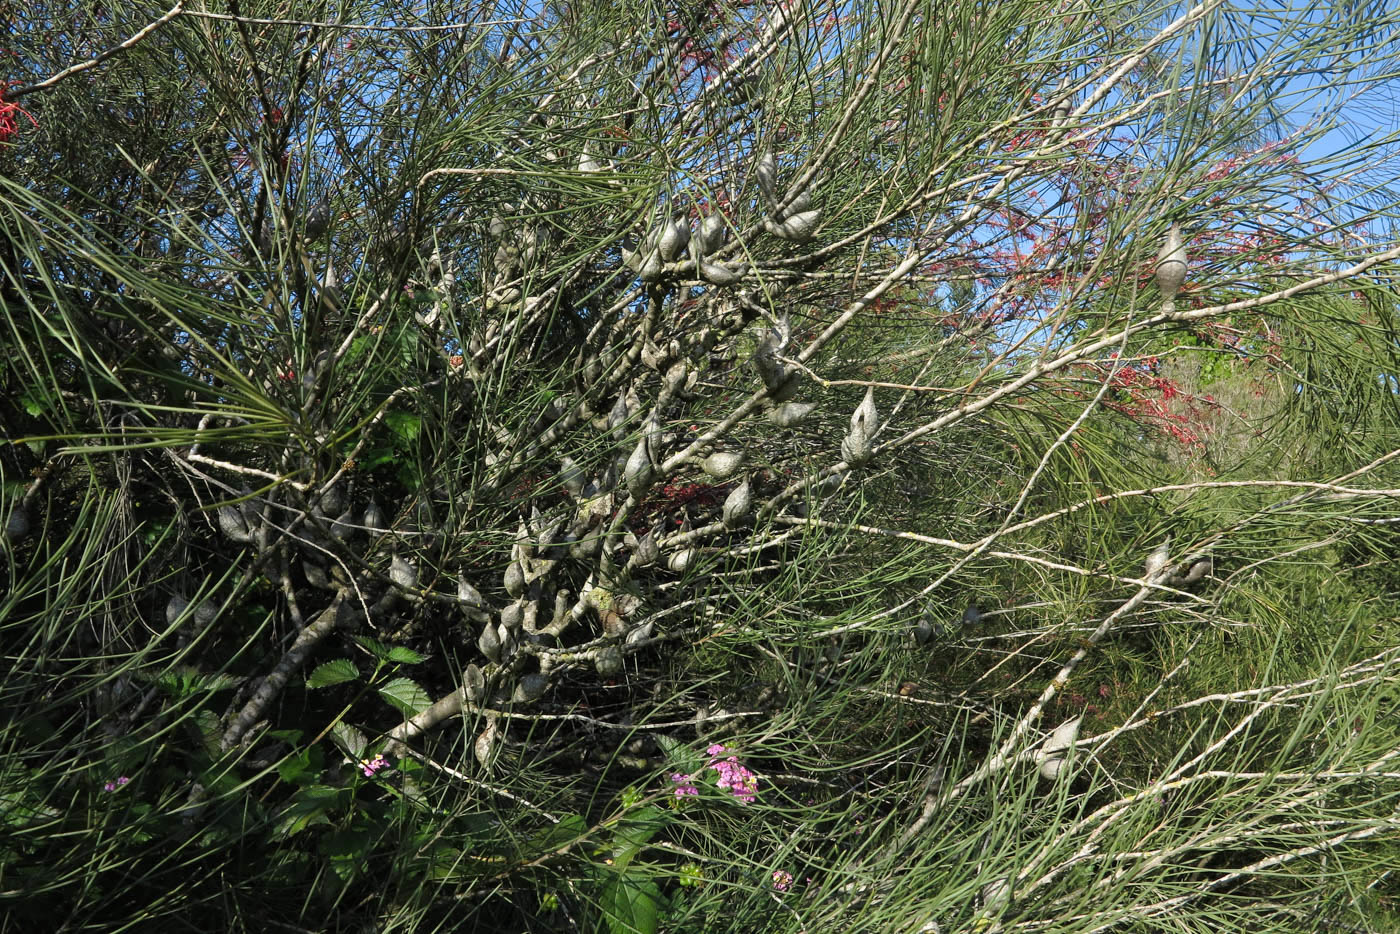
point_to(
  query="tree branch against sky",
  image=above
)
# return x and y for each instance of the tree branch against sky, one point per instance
(626, 465)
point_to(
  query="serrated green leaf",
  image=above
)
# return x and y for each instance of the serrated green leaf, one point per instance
(404, 424)
(347, 851)
(336, 671)
(349, 739)
(406, 656)
(309, 806)
(406, 695)
(631, 903)
(634, 832)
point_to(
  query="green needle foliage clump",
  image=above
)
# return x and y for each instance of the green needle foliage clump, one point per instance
(640, 468)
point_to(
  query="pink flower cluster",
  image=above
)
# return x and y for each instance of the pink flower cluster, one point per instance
(733, 777)
(782, 880)
(370, 766)
(113, 786)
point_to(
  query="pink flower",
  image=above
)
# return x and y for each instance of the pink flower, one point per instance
(782, 880)
(684, 784)
(370, 766)
(113, 786)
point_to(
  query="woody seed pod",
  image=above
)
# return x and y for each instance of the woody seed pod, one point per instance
(485, 746)
(651, 268)
(799, 228)
(318, 218)
(174, 608)
(647, 549)
(342, 527)
(923, 628)
(790, 414)
(642, 633)
(720, 274)
(767, 172)
(1063, 738)
(681, 561)
(711, 235)
(475, 683)
(857, 446)
(1198, 570)
(374, 518)
(637, 472)
(608, 661)
(530, 688)
(512, 616)
(17, 524)
(403, 573)
(1171, 263)
(514, 579)
(316, 575)
(672, 240)
(489, 643)
(508, 641)
(722, 464)
(737, 505)
(468, 595)
(799, 205)
(1159, 558)
(572, 477)
(231, 523)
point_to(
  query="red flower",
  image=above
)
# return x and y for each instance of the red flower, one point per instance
(9, 126)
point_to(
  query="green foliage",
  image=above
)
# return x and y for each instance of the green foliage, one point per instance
(371, 571)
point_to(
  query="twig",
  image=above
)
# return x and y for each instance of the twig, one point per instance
(70, 71)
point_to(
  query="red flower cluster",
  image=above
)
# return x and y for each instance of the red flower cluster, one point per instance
(9, 126)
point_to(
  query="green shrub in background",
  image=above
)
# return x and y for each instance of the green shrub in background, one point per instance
(736, 467)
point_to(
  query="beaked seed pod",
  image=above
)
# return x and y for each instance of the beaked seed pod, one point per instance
(17, 524)
(474, 681)
(1159, 558)
(374, 518)
(514, 579)
(637, 472)
(799, 228)
(489, 643)
(647, 549)
(468, 595)
(512, 616)
(403, 573)
(231, 523)
(737, 505)
(791, 414)
(720, 274)
(485, 746)
(923, 628)
(316, 575)
(652, 267)
(711, 234)
(571, 475)
(1063, 738)
(799, 205)
(767, 172)
(858, 446)
(722, 464)
(530, 688)
(672, 241)
(318, 219)
(343, 526)
(608, 661)
(681, 561)
(1198, 570)
(1171, 263)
